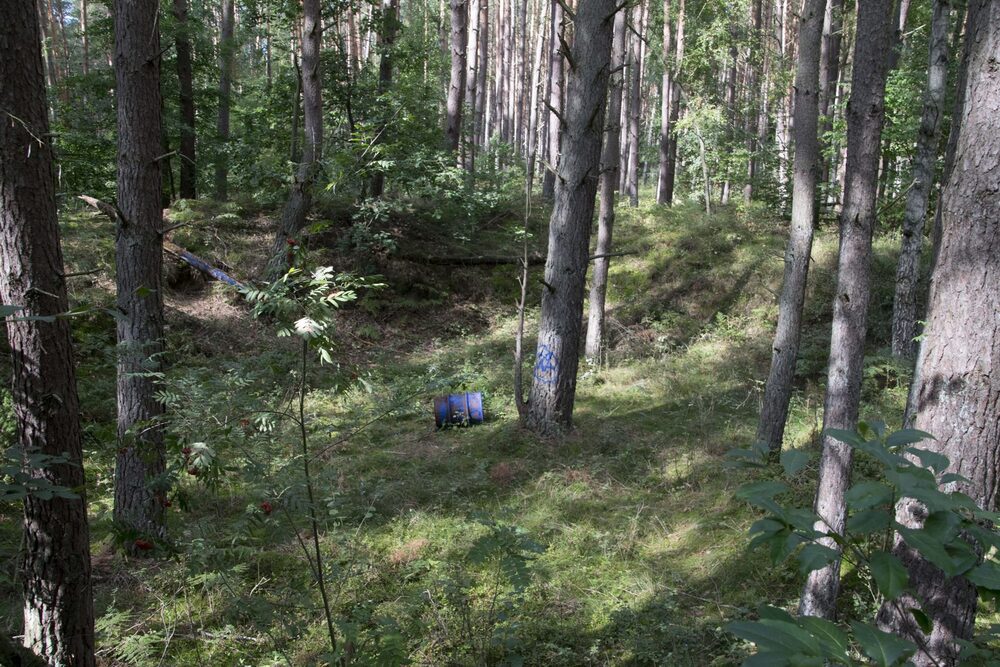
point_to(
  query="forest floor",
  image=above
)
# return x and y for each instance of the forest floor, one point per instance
(622, 544)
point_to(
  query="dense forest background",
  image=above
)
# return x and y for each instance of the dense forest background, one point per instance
(720, 271)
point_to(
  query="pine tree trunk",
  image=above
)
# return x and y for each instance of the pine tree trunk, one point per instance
(139, 267)
(555, 124)
(226, 52)
(904, 305)
(84, 37)
(785, 350)
(675, 108)
(606, 217)
(829, 71)
(387, 38)
(665, 127)
(189, 174)
(536, 67)
(635, 109)
(956, 390)
(550, 408)
(293, 218)
(55, 572)
(865, 114)
(456, 85)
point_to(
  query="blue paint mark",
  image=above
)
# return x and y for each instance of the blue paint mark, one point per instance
(546, 364)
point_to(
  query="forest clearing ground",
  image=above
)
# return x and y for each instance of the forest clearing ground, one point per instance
(645, 546)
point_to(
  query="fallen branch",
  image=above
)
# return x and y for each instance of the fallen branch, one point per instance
(172, 248)
(200, 264)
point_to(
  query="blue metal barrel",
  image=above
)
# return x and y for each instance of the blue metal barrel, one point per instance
(459, 409)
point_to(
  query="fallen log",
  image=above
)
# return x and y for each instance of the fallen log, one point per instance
(169, 247)
(197, 262)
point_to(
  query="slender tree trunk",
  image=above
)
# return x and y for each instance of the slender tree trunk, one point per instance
(829, 71)
(84, 37)
(635, 108)
(471, 78)
(482, 69)
(757, 113)
(55, 572)
(456, 85)
(139, 267)
(665, 127)
(904, 306)
(533, 103)
(956, 392)
(675, 109)
(293, 218)
(387, 38)
(609, 175)
(555, 100)
(785, 350)
(51, 73)
(189, 175)
(865, 114)
(550, 408)
(226, 51)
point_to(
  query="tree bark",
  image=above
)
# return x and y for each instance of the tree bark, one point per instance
(386, 38)
(665, 127)
(829, 72)
(226, 50)
(550, 408)
(139, 264)
(670, 170)
(785, 350)
(609, 175)
(456, 85)
(532, 144)
(634, 108)
(84, 37)
(956, 389)
(56, 584)
(293, 218)
(189, 175)
(865, 115)
(904, 305)
(555, 124)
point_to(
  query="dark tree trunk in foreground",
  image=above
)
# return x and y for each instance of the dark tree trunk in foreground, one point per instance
(956, 389)
(456, 85)
(670, 168)
(293, 218)
(665, 88)
(550, 408)
(138, 265)
(805, 168)
(387, 38)
(58, 607)
(555, 124)
(189, 174)
(610, 164)
(226, 49)
(904, 305)
(865, 114)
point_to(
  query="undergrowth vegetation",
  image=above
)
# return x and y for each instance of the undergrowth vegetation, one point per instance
(623, 544)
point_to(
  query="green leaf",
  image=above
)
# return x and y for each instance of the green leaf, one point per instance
(885, 649)
(933, 460)
(847, 437)
(924, 621)
(930, 548)
(907, 436)
(832, 638)
(868, 521)
(950, 477)
(815, 556)
(767, 660)
(761, 494)
(890, 575)
(793, 461)
(779, 636)
(868, 494)
(942, 525)
(986, 576)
